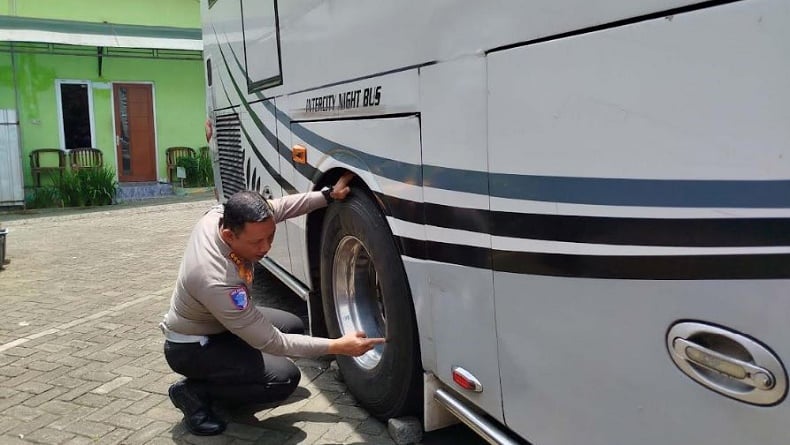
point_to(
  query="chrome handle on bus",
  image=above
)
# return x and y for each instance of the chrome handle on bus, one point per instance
(733, 368)
(727, 362)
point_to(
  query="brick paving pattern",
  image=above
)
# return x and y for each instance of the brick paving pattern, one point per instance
(81, 356)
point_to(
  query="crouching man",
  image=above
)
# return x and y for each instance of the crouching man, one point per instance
(226, 348)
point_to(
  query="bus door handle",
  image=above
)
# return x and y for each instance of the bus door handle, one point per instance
(744, 372)
(727, 362)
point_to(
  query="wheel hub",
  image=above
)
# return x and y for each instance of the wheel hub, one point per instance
(359, 305)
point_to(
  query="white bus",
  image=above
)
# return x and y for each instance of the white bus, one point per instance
(571, 218)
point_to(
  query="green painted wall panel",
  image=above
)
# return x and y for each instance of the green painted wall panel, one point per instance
(179, 100)
(38, 113)
(177, 13)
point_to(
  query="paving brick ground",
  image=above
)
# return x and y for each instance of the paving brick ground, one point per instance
(81, 357)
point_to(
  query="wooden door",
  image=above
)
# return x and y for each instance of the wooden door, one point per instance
(134, 130)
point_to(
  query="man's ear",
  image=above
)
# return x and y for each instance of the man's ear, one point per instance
(227, 235)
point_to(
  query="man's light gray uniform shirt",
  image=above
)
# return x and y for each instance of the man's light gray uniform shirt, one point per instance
(211, 296)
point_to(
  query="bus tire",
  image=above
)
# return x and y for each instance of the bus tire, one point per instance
(364, 288)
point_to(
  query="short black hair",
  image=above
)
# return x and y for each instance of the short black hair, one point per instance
(243, 207)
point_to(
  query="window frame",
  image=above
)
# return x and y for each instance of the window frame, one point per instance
(59, 100)
(273, 81)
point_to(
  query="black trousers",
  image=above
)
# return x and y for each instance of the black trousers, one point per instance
(229, 370)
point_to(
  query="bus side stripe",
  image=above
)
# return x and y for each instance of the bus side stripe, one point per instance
(687, 232)
(676, 267)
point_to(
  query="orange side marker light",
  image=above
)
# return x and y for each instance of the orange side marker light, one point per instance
(299, 154)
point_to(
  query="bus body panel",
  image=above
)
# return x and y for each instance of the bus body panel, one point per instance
(346, 39)
(561, 194)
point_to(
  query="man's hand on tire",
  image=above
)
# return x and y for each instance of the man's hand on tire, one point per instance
(341, 189)
(354, 344)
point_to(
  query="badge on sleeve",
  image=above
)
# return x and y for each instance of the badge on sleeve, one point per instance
(239, 298)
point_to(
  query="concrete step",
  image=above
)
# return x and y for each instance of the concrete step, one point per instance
(136, 191)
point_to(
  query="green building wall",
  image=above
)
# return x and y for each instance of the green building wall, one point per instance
(178, 85)
(179, 100)
(176, 13)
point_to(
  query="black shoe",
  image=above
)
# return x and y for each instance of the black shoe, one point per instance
(198, 417)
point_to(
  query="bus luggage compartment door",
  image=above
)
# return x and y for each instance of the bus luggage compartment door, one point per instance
(603, 148)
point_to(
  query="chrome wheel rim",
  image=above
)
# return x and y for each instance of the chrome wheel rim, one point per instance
(359, 305)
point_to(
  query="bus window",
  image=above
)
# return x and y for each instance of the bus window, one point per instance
(260, 26)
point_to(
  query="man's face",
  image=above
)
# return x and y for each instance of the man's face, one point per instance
(254, 242)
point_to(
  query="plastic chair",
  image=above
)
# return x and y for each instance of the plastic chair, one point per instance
(173, 154)
(46, 160)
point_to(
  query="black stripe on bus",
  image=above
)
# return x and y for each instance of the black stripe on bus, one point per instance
(307, 170)
(356, 118)
(711, 232)
(636, 267)
(681, 232)
(471, 256)
(643, 267)
(286, 186)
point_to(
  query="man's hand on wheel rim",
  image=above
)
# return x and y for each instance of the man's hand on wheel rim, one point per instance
(354, 344)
